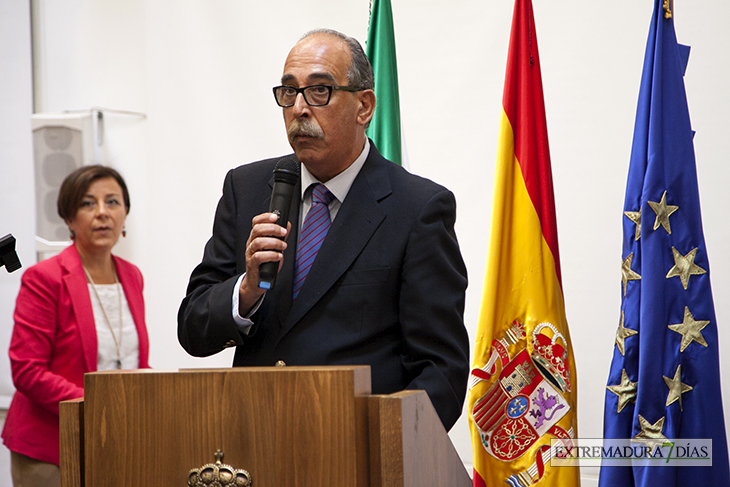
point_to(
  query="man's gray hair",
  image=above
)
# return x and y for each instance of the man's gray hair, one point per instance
(360, 71)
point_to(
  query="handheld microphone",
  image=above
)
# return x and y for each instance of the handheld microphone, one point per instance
(286, 177)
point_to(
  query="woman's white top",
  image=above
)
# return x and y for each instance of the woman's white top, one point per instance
(107, 349)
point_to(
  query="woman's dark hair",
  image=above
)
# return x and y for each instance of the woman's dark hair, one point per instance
(74, 187)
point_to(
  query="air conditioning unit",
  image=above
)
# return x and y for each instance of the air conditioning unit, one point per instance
(62, 142)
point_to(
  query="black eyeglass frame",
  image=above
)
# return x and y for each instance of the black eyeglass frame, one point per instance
(330, 88)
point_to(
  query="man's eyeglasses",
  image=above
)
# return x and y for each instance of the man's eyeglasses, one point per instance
(315, 95)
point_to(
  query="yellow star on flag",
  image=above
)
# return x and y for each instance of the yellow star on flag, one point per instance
(663, 210)
(651, 431)
(635, 216)
(690, 330)
(621, 335)
(626, 391)
(676, 387)
(684, 266)
(626, 273)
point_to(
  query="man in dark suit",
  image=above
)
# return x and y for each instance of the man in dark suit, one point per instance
(386, 288)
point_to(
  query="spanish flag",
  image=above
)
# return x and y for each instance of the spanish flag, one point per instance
(522, 392)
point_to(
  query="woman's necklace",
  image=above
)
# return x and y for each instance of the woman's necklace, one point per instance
(117, 343)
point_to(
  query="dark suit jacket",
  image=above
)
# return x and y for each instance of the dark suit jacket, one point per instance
(386, 289)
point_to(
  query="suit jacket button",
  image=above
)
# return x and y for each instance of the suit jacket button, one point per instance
(280, 363)
(230, 343)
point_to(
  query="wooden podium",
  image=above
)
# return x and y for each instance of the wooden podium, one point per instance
(286, 426)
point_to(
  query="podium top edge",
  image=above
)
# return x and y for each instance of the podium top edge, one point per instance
(288, 368)
(227, 370)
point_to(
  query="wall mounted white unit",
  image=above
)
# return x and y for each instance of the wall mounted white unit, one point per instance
(62, 142)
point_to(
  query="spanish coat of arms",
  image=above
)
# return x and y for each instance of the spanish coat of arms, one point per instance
(526, 400)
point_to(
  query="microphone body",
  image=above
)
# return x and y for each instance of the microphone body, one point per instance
(286, 177)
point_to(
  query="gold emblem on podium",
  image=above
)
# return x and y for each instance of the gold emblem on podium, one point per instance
(219, 475)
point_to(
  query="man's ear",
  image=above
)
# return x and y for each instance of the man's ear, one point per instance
(367, 106)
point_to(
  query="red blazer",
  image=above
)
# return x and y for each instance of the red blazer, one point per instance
(54, 345)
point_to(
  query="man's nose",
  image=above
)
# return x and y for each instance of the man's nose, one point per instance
(300, 107)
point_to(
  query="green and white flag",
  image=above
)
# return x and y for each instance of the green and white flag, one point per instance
(384, 128)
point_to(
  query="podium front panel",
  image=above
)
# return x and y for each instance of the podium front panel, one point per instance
(287, 426)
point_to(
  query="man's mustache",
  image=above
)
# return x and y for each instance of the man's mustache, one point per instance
(304, 128)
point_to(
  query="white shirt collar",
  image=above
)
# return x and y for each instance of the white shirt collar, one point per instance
(340, 184)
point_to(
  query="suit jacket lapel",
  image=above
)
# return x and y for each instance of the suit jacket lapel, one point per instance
(356, 221)
(74, 279)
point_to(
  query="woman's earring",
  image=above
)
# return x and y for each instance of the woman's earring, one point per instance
(72, 234)
(124, 231)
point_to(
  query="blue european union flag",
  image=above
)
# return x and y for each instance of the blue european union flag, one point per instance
(664, 380)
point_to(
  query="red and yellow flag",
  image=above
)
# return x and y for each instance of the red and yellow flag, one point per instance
(523, 386)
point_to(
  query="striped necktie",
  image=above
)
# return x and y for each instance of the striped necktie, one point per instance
(314, 229)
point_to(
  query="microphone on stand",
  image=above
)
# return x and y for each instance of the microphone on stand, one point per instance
(286, 177)
(8, 255)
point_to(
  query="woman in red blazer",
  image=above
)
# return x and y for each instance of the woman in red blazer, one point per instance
(77, 312)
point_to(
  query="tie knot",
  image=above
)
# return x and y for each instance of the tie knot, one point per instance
(320, 194)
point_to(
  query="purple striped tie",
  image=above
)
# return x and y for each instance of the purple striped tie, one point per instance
(314, 229)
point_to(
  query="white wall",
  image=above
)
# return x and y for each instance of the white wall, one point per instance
(17, 204)
(202, 71)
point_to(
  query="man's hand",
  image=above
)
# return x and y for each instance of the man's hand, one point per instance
(266, 243)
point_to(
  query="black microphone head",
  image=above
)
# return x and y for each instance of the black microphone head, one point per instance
(287, 170)
(8, 255)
